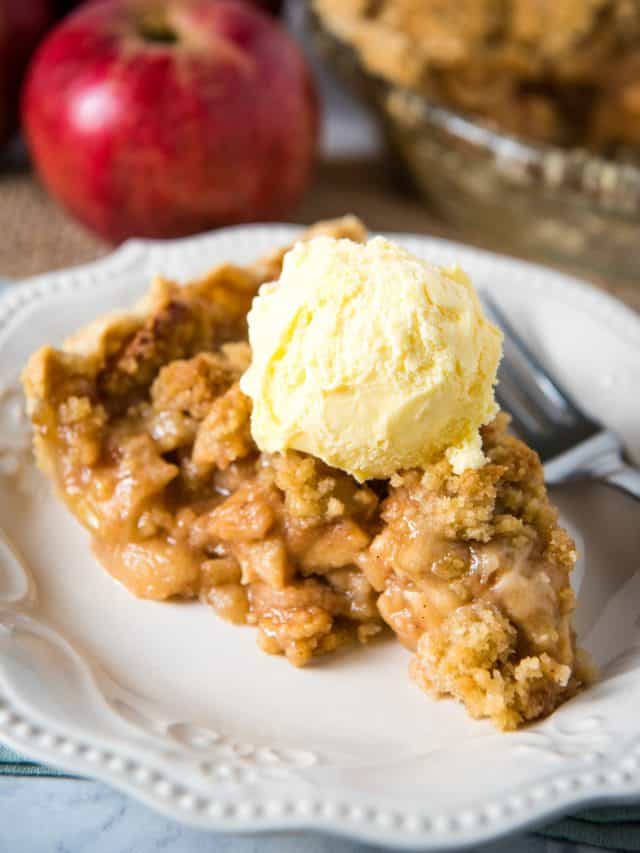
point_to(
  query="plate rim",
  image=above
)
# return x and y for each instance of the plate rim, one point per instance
(72, 277)
(336, 815)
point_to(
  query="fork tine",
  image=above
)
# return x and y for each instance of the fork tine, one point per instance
(525, 418)
(512, 400)
(530, 377)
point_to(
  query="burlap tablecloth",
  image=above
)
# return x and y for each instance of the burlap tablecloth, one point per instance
(36, 235)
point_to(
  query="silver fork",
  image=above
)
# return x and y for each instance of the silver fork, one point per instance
(570, 444)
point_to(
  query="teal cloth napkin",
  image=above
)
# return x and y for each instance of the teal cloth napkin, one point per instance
(615, 828)
(12, 764)
(611, 828)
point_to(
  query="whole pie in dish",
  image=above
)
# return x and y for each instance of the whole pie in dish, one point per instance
(140, 423)
(564, 73)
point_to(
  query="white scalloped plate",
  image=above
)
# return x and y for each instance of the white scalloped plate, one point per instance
(180, 709)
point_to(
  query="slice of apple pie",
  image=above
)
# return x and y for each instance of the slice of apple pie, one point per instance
(140, 423)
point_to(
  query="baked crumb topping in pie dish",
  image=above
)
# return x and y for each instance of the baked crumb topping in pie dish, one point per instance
(140, 423)
(565, 73)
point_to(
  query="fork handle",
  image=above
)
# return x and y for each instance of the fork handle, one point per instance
(607, 464)
(597, 458)
(626, 478)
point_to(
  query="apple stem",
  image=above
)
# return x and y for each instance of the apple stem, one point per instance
(156, 28)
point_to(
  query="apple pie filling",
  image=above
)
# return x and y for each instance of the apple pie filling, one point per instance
(141, 424)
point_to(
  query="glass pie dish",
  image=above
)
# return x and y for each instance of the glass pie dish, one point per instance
(562, 206)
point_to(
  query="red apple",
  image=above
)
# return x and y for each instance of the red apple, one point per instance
(22, 24)
(160, 118)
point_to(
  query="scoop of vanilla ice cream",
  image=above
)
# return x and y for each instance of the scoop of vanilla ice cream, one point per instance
(370, 359)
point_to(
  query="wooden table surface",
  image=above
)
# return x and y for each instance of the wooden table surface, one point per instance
(36, 235)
